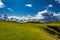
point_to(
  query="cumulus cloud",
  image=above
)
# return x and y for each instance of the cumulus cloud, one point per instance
(57, 15)
(28, 16)
(43, 16)
(50, 5)
(1, 4)
(46, 16)
(39, 15)
(28, 5)
(13, 17)
(57, 1)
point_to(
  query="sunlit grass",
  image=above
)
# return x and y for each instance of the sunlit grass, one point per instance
(24, 31)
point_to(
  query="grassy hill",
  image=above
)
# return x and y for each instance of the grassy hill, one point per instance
(29, 31)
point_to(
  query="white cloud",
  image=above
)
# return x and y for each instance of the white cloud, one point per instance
(28, 16)
(57, 15)
(39, 15)
(23, 17)
(57, 1)
(28, 5)
(50, 5)
(10, 9)
(46, 16)
(13, 17)
(43, 16)
(1, 4)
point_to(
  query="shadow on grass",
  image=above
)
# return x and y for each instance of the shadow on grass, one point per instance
(53, 30)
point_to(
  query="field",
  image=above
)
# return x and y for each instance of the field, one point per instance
(29, 31)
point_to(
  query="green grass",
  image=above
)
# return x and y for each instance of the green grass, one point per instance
(26, 31)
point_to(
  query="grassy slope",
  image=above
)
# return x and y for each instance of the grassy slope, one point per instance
(26, 31)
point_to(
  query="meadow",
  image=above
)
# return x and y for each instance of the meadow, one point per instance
(29, 31)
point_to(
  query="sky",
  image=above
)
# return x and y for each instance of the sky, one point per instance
(28, 7)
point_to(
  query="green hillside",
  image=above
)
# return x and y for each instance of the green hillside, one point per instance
(29, 31)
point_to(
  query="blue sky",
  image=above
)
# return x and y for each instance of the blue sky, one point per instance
(28, 7)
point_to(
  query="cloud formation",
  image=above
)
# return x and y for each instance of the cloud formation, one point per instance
(46, 16)
(28, 5)
(57, 15)
(57, 1)
(1, 4)
(43, 16)
(50, 5)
